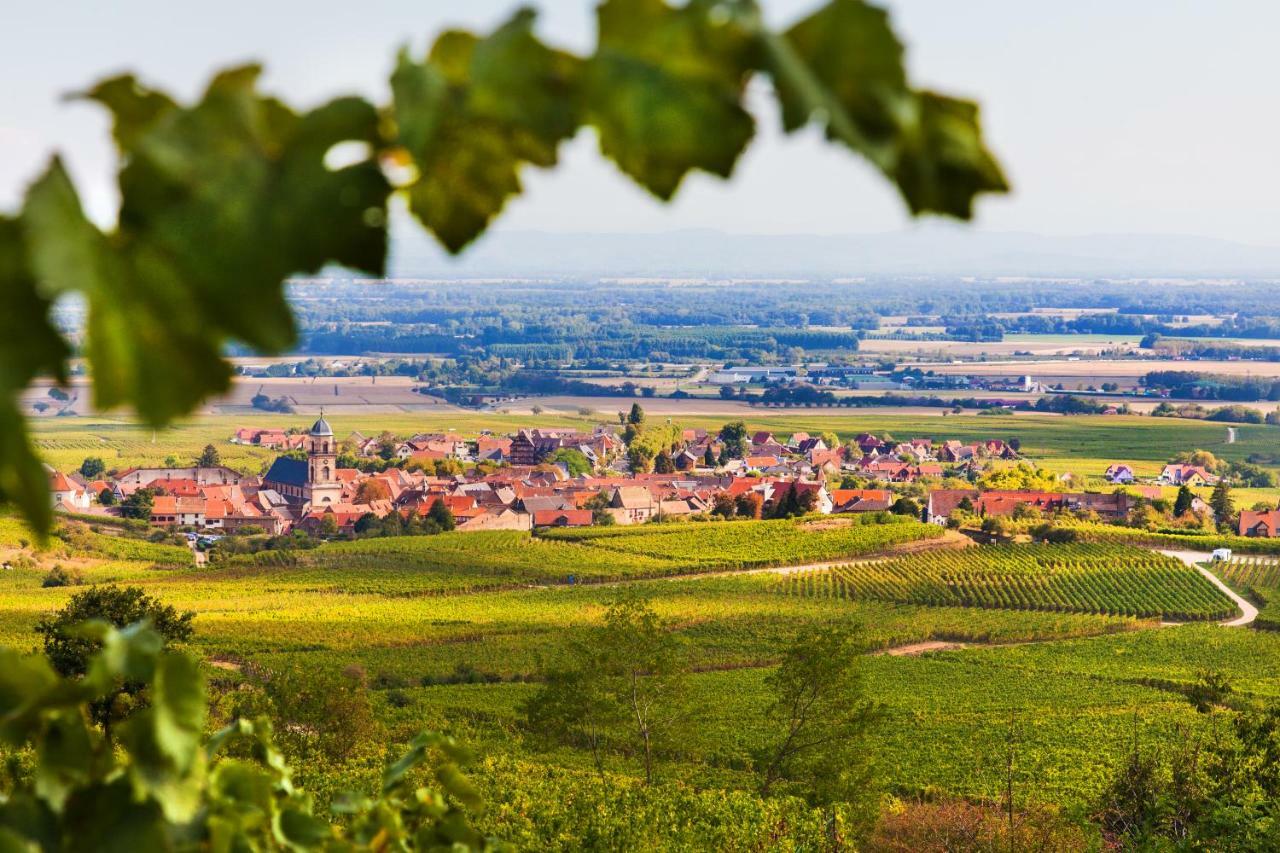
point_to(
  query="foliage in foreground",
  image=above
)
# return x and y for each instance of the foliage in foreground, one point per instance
(224, 198)
(1198, 792)
(151, 783)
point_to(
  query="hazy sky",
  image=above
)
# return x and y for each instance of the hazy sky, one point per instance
(1110, 117)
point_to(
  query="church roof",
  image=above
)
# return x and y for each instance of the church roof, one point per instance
(290, 472)
(321, 427)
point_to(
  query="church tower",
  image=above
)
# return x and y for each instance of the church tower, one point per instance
(323, 486)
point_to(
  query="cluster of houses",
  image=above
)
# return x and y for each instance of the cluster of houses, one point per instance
(305, 488)
(1173, 474)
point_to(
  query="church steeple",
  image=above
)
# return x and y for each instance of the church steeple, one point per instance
(322, 464)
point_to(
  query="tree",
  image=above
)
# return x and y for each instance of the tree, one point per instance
(636, 416)
(905, 506)
(573, 459)
(367, 524)
(599, 506)
(1021, 477)
(750, 505)
(441, 516)
(138, 505)
(709, 458)
(831, 440)
(574, 706)
(329, 525)
(92, 467)
(1221, 502)
(724, 505)
(643, 667)
(621, 687)
(387, 444)
(209, 457)
(793, 502)
(821, 720)
(107, 497)
(217, 219)
(641, 459)
(662, 463)
(322, 711)
(69, 651)
(372, 490)
(734, 438)
(1182, 505)
(1201, 458)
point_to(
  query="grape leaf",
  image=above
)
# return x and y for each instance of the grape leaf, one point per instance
(472, 114)
(29, 346)
(843, 65)
(134, 107)
(665, 89)
(949, 163)
(219, 203)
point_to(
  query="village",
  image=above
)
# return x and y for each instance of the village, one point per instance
(634, 473)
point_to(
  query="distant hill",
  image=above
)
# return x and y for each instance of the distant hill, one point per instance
(929, 250)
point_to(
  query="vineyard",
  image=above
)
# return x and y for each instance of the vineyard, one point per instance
(1102, 579)
(740, 545)
(471, 562)
(1259, 579)
(1251, 572)
(1108, 533)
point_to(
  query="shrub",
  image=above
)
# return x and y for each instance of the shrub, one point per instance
(59, 576)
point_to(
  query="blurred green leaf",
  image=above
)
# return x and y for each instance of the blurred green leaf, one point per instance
(300, 830)
(25, 682)
(473, 114)
(178, 698)
(11, 842)
(128, 653)
(28, 819)
(843, 66)
(64, 757)
(107, 817)
(948, 163)
(134, 107)
(665, 88)
(165, 738)
(220, 202)
(29, 347)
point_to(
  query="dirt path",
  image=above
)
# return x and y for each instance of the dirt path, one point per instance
(913, 649)
(1248, 612)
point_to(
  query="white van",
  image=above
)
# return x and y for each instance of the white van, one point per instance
(1222, 555)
